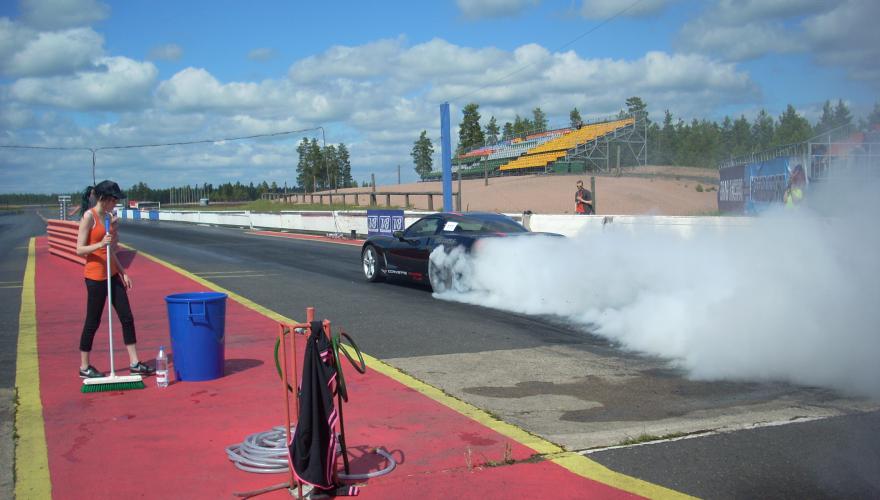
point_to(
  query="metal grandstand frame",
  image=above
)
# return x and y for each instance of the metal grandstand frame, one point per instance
(820, 161)
(598, 151)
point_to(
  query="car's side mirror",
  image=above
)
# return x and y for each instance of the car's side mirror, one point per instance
(398, 235)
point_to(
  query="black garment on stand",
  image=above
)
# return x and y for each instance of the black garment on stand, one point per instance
(313, 448)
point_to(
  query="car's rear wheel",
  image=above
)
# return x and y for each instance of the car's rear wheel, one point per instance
(439, 277)
(372, 264)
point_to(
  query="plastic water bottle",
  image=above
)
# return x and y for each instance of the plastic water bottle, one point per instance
(162, 368)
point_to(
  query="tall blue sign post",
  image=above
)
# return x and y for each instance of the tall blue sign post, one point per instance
(446, 157)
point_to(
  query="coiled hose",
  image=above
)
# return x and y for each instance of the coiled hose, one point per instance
(266, 453)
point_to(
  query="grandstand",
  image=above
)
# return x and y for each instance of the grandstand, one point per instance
(561, 150)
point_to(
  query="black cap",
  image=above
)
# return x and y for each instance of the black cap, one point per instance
(108, 188)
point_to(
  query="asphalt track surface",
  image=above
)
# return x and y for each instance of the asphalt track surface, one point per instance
(15, 232)
(831, 458)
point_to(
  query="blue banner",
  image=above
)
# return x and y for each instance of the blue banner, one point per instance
(384, 222)
(767, 181)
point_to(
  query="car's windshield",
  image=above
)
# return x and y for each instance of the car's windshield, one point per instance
(423, 227)
(483, 225)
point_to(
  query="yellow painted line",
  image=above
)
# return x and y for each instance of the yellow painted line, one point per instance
(574, 462)
(31, 456)
(206, 273)
(224, 276)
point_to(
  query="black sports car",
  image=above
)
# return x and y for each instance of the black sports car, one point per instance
(405, 255)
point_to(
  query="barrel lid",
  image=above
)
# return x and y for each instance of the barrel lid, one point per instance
(195, 297)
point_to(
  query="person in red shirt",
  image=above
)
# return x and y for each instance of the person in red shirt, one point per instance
(583, 200)
(93, 242)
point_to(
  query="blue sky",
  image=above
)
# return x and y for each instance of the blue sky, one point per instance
(87, 73)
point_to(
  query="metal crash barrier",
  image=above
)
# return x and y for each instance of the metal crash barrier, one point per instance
(62, 239)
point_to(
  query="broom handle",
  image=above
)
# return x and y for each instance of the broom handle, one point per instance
(109, 296)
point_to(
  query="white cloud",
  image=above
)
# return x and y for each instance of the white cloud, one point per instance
(734, 12)
(59, 14)
(847, 36)
(740, 43)
(117, 83)
(841, 34)
(167, 52)
(363, 61)
(54, 53)
(477, 9)
(261, 54)
(602, 9)
(195, 89)
(375, 97)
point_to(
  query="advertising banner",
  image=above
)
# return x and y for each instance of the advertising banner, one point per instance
(767, 181)
(384, 222)
(730, 189)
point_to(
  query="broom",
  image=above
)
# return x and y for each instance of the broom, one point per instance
(112, 382)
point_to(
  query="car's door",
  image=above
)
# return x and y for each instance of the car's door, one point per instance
(410, 255)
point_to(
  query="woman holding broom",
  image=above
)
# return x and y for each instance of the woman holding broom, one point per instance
(93, 242)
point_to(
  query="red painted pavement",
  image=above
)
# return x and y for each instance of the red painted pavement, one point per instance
(169, 443)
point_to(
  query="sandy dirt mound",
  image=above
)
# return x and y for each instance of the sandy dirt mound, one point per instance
(646, 190)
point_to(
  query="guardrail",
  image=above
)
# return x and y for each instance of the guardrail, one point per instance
(62, 239)
(346, 222)
(372, 197)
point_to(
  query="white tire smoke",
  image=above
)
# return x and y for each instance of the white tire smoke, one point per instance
(791, 296)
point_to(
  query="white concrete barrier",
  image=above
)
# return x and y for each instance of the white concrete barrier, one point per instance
(356, 220)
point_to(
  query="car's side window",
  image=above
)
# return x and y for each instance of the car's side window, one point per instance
(424, 227)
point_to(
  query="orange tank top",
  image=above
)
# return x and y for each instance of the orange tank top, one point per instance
(96, 262)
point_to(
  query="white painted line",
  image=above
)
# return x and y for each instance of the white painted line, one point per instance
(698, 434)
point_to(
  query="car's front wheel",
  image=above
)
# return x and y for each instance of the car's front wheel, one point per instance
(372, 264)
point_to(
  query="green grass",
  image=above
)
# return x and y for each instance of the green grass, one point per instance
(647, 438)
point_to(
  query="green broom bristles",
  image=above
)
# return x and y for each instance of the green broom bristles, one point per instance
(115, 386)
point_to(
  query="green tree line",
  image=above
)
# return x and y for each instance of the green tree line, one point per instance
(31, 199)
(700, 142)
(219, 192)
(324, 168)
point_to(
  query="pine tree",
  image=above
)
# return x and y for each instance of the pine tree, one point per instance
(304, 172)
(331, 163)
(635, 105)
(793, 128)
(507, 131)
(742, 136)
(319, 170)
(762, 131)
(345, 166)
(422, 155)
(492, 131)
(874, 117)
(517, 126)
(667, 141)
(539, 120)
(574, 117)
(826, 121)
(470, 134)
(727, 141)
(842, 115)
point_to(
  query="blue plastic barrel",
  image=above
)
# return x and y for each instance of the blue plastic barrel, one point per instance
(197, 323)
